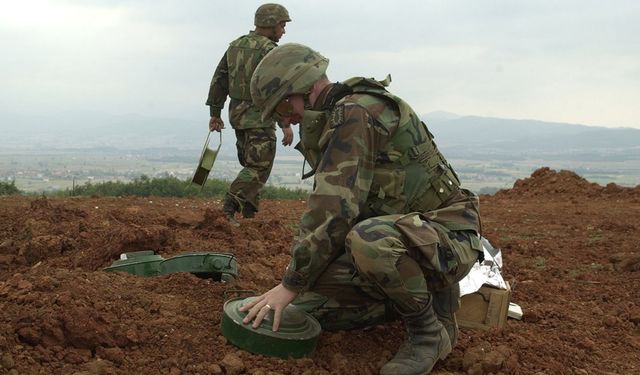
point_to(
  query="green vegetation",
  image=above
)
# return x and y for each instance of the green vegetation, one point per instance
(172, 187)
(539, 262)
(595, 238)
(9, 188)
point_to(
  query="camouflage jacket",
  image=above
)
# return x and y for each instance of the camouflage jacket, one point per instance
(232, 78)
(378, 158)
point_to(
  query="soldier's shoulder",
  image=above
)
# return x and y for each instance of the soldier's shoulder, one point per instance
(336, 116)
(262, 41)
(253, 40)
(239, 39)
(345, 107)
(360, 98)
(375, 106)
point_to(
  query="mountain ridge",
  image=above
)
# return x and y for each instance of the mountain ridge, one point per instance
(457, 136)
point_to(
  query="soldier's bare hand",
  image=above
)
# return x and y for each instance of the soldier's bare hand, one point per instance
(276, 299)
(216, 124)
(287, 136)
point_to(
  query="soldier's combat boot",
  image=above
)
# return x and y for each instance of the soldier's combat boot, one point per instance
(445, 303)
(230, 207)
(427, 341)
(248, 211)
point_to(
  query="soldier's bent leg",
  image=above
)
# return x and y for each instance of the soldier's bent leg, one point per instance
(340, 299)
(258, 153)
(445, 303)
(380, 254)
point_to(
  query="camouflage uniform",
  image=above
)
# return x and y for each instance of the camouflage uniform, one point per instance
(255, 138)
(387, 222)
(387, 219)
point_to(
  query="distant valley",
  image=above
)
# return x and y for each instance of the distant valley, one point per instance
(52, 152)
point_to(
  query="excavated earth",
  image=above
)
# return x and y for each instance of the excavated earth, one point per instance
(571, 254)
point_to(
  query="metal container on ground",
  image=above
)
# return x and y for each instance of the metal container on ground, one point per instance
(218, 266)
(297, 336)
(140, 263)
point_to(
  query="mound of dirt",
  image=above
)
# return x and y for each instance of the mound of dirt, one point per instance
(573, 264)
(547, 182)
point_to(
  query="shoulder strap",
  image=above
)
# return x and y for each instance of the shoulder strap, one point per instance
(378, 88)
(368, 82)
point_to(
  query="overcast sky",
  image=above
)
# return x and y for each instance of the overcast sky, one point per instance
(575, 61)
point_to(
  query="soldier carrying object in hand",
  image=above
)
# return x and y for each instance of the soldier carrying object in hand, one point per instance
(255, 136)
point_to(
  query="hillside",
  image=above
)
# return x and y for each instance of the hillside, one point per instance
(54, 152)
(484, 137)
(488, 138)
(570, 251)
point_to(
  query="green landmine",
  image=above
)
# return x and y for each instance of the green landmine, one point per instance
(140, 263)
(216, 266)
(297, 336)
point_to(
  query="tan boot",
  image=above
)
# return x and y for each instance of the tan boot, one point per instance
(427, 341)
(445, 303)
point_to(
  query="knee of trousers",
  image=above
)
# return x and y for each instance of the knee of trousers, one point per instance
(374, 245)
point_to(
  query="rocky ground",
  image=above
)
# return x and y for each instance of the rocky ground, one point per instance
(571, 253)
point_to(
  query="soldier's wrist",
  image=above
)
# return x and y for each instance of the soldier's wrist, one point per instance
(294, 281)
(215, 112)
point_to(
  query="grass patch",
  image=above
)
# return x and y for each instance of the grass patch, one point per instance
(539, 262)
(144, 186)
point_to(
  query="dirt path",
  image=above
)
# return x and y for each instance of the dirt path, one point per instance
(570, 249)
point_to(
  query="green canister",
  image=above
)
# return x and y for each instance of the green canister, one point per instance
(218, 266)
(140, 263)
(296, 338)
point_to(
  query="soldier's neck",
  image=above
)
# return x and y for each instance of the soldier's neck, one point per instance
(266, 32)
(330, 94)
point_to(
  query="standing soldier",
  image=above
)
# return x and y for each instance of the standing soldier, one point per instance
(388, 229)
(255, 136)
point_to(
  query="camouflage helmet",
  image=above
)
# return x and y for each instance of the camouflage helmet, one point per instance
(269, 15)
(286, 70)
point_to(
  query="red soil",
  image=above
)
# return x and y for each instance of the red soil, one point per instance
(570, 250)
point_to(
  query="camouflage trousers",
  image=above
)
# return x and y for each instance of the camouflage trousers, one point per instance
(386, 268)
(256, 152)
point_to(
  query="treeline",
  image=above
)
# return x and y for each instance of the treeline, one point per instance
(9, 188)
(168, 186)
(172, 187)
